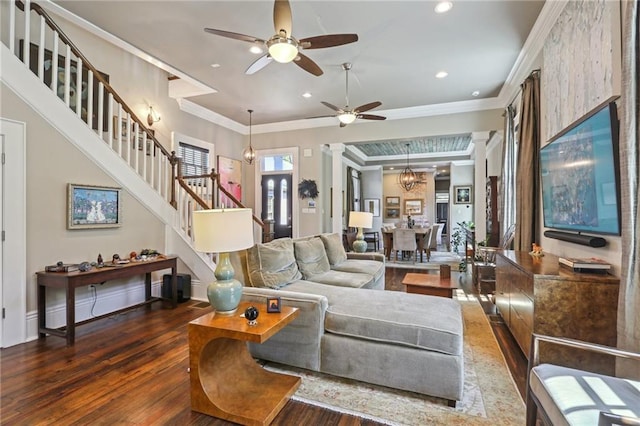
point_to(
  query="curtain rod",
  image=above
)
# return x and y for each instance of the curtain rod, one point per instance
(536, 71)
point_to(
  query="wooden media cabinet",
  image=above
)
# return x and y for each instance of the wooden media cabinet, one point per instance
(537, 295)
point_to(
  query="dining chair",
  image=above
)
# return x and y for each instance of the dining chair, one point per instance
(404, 241)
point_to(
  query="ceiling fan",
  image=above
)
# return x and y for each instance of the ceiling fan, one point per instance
(283, 47)
(347, 116)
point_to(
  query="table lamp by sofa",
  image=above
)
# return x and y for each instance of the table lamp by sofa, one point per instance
(223, 231)
(360, 220)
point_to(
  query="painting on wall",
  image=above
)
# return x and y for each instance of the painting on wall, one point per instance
(93, 206)
(230, 171)
(74, 91)
(372, 205)
(413, 207)
(462, 194)
(392, 213)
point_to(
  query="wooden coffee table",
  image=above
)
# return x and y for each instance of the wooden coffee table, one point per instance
(429, 284)
(226, 382)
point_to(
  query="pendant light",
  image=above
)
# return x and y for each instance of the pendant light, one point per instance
(407, 179)
(249, 154)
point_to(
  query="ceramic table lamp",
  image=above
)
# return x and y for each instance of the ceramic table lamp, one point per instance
(360, 220)
(223, 231)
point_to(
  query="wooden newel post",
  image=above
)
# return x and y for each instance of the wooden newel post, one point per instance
(174, 174)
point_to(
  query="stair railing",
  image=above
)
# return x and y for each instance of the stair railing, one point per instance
(107, 114)
(87, 92)
(204, 191)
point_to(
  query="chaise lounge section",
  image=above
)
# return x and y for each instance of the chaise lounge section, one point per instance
(349, 326)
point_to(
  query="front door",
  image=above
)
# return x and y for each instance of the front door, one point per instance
(277, 203)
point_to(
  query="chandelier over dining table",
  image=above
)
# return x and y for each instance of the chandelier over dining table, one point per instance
(407, 178)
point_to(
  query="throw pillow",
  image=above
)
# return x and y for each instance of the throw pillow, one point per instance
(272, 264)
(334, 248)
(311, 257)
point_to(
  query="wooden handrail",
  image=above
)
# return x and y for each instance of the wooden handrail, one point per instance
(85, 62)
(215, 178)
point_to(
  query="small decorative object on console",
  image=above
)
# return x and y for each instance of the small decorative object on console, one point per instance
(251, 314)
(61, 267)
(273, 304)
(591, 264)
(536, 250)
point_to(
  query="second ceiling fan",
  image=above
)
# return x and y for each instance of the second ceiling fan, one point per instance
(283, 47)
(348, 116)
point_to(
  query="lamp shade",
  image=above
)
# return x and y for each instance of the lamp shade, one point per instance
(360, 219)
(347, 117)
(222, 230)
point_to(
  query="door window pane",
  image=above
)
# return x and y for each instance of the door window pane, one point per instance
(283, 202)
(270, 207)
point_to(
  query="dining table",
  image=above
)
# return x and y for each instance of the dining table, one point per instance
(422, 234)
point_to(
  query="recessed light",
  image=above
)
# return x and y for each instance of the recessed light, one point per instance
(306, 95)
(442, 74)
(475, 93)
(215, 65)
(256, 50)
(443, 6)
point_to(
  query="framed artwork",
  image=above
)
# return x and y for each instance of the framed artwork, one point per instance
(413, 207)
(463, 194)
(273, 304)
(93, 207)
(372, 205)
(142, 137)
(392, 201)
(392, 213)
(230, 172)
(83, 91)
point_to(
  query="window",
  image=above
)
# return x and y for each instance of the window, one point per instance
(194, 160)
(270, 199)
(276, 163)
(283, 202)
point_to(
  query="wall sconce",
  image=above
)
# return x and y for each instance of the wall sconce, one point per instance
(152, 117)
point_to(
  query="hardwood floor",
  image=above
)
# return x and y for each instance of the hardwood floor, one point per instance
(132, 369)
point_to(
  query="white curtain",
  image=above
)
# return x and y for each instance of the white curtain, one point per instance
(629, 300)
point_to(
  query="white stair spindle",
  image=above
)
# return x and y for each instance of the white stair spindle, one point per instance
(67, 76)
(79, 87)
(40, 50)
(89, 98)
(27, 32)
(54, 64)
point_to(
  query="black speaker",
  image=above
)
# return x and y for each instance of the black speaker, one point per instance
(585, 240)
(184, 287)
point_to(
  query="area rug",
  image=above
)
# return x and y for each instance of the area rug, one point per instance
(436, 259)
(490, 396)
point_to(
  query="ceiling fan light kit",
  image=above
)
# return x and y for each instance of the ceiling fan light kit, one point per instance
(282, 49)
(347, 117)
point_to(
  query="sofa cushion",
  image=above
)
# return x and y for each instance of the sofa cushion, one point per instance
(272, 264)
(427, 322)
(371, 267)
(311, 257)
(344, 279)
(335, 249)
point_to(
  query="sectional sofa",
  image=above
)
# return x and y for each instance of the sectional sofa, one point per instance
(349, 326)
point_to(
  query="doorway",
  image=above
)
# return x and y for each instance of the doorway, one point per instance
(277, 203)
(13, 251)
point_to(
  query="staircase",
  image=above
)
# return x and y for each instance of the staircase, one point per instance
(144, 167)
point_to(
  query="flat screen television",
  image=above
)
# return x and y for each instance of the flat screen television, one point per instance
(580, 178)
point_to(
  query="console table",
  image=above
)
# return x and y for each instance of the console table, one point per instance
(69, 281)
(537, 295)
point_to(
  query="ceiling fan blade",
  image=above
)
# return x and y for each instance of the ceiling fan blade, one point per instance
(329, 40)
(367, 107)
(282, 16)
(333, 107)
(235, 36)
(260, 63)
(308, 65)
(371, 117)
(321, 116)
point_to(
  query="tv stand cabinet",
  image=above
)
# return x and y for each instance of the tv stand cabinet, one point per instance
(537, 295)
